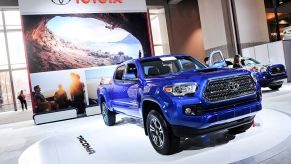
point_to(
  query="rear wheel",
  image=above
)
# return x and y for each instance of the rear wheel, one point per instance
(240, 129)
(275, 87)
(160, 135)
(108, 116)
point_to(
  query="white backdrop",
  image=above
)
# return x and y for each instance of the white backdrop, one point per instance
(271, 53)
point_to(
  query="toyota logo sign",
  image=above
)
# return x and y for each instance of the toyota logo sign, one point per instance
(61, 2)
(233, 86)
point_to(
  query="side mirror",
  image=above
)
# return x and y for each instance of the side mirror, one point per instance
(129, 77)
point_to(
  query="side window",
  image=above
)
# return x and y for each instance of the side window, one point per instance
(146, 70)
(248, 62)
(217, 58)
(131, 69)
(119, 73)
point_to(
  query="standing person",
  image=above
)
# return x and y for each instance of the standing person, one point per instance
(77, 93)
(61, 98)
(102, 81)
(22, 98)
(237, 62)
(206, 61)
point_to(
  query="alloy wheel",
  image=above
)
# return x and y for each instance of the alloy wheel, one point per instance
(156, 132)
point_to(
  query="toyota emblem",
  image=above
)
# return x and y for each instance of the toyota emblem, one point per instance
(61, 2)
(233, 86)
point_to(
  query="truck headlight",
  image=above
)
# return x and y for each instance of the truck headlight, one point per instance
(263, 69)
(181, 89)
(254, 76)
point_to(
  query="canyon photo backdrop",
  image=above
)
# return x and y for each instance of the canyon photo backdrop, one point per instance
(72, 41)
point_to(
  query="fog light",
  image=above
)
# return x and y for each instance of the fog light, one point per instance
(188, 111)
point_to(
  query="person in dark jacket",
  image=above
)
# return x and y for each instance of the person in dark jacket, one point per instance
(206, 61)
(237, 62)
(41, 104)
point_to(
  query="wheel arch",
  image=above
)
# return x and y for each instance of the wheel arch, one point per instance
(147, 106)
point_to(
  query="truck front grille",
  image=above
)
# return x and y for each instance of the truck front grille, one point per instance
(277, 69)
(229, 88)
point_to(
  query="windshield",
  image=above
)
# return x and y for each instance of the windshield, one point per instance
(250, 62)
(166, 65)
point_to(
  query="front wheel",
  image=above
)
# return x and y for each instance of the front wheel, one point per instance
(108, 116)
(275, 87)
(160, 135)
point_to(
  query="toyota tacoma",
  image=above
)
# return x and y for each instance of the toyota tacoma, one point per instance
(177, 96)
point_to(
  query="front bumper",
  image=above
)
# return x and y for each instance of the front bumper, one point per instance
(183, 131)
(215, 118)
(265, 79)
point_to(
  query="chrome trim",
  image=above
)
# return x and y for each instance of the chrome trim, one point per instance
(230, 120)
(129, 103)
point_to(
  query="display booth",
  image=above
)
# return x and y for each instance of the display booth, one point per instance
(72, 48)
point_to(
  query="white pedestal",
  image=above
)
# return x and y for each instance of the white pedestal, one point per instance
(90, 111)
(54, 116)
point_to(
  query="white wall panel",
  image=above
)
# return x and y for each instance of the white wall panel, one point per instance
(262, 54)
(249, 52)
(276, 53)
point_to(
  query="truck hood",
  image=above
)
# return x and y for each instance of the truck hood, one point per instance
(198, 75)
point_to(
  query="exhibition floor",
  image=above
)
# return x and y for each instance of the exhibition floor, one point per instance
(57, 142)
(126, 143)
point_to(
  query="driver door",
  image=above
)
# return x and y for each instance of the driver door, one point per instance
(131, 85)
(216, 60)
(125, 90)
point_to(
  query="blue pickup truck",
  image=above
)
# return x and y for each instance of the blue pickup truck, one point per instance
(271, 76)
(177, 96)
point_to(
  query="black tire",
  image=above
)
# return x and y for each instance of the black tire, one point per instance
(275, 87)
(240, 129)
(160, 134)
(108, 116)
